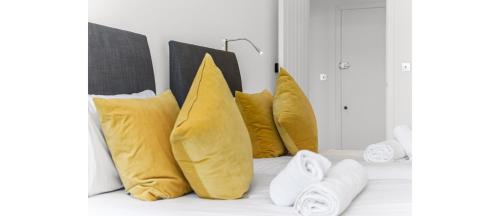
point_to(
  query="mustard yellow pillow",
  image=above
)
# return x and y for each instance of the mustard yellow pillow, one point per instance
(210, 141)
(257, 112)
(294, 116)
(137, 132)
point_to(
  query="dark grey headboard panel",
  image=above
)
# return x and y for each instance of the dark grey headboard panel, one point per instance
(185, 59)
(119, 62)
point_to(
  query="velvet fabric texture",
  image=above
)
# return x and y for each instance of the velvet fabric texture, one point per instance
(294, 116)
(257, 112)
(137, 132)
(210, 141)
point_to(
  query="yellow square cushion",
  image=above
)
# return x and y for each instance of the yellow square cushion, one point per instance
(137, 132)
(210, 141)
(257, 112)
(294, 116)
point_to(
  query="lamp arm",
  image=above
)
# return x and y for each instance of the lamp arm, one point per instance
(226, 44)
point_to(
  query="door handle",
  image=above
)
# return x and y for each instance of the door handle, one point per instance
(344, 65)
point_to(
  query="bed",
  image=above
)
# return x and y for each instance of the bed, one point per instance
(120, 62)
(388, 193)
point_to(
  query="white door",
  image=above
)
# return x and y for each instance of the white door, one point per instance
(362, 74)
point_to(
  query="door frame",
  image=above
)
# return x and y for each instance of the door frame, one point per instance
(337, 72)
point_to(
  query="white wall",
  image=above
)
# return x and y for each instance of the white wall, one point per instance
(203, 23)
(399, 96)
(322, 60)
(293, 39)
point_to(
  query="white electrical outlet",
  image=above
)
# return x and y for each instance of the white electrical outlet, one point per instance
(406, 66)
(323, 77)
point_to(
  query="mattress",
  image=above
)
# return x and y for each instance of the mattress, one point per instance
(388, 192)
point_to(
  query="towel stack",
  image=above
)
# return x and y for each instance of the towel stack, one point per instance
(304, 169)
(390, 150)
(313, 187)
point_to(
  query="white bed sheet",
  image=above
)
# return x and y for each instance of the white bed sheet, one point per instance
(394, 170)
(388, 193)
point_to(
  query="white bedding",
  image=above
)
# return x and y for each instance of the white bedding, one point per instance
(388, 192)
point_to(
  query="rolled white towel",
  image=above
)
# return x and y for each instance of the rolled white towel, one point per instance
(379, 153)
(304, 169)
(335, 193)
(384, 151)
(402, 134)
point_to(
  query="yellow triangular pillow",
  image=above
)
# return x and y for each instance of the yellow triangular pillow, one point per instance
(210, 141)
(293, 115)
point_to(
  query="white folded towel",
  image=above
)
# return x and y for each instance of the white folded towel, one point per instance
(334, 194)
(402, 134)
(304, 169)
(384, 151)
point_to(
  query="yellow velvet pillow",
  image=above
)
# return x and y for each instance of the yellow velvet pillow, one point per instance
(210, 141)
(294, 116)
(257, 112)
(137, 132)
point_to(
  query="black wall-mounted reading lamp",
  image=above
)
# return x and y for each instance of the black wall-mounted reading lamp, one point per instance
(226, 44)
(226, 47)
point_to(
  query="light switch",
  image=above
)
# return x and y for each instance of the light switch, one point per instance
(406, 66)
(323, 77)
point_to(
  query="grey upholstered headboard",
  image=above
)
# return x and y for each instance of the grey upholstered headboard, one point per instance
(185, 59)
(119, 62)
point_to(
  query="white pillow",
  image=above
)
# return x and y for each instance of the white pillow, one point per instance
(103, 176)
